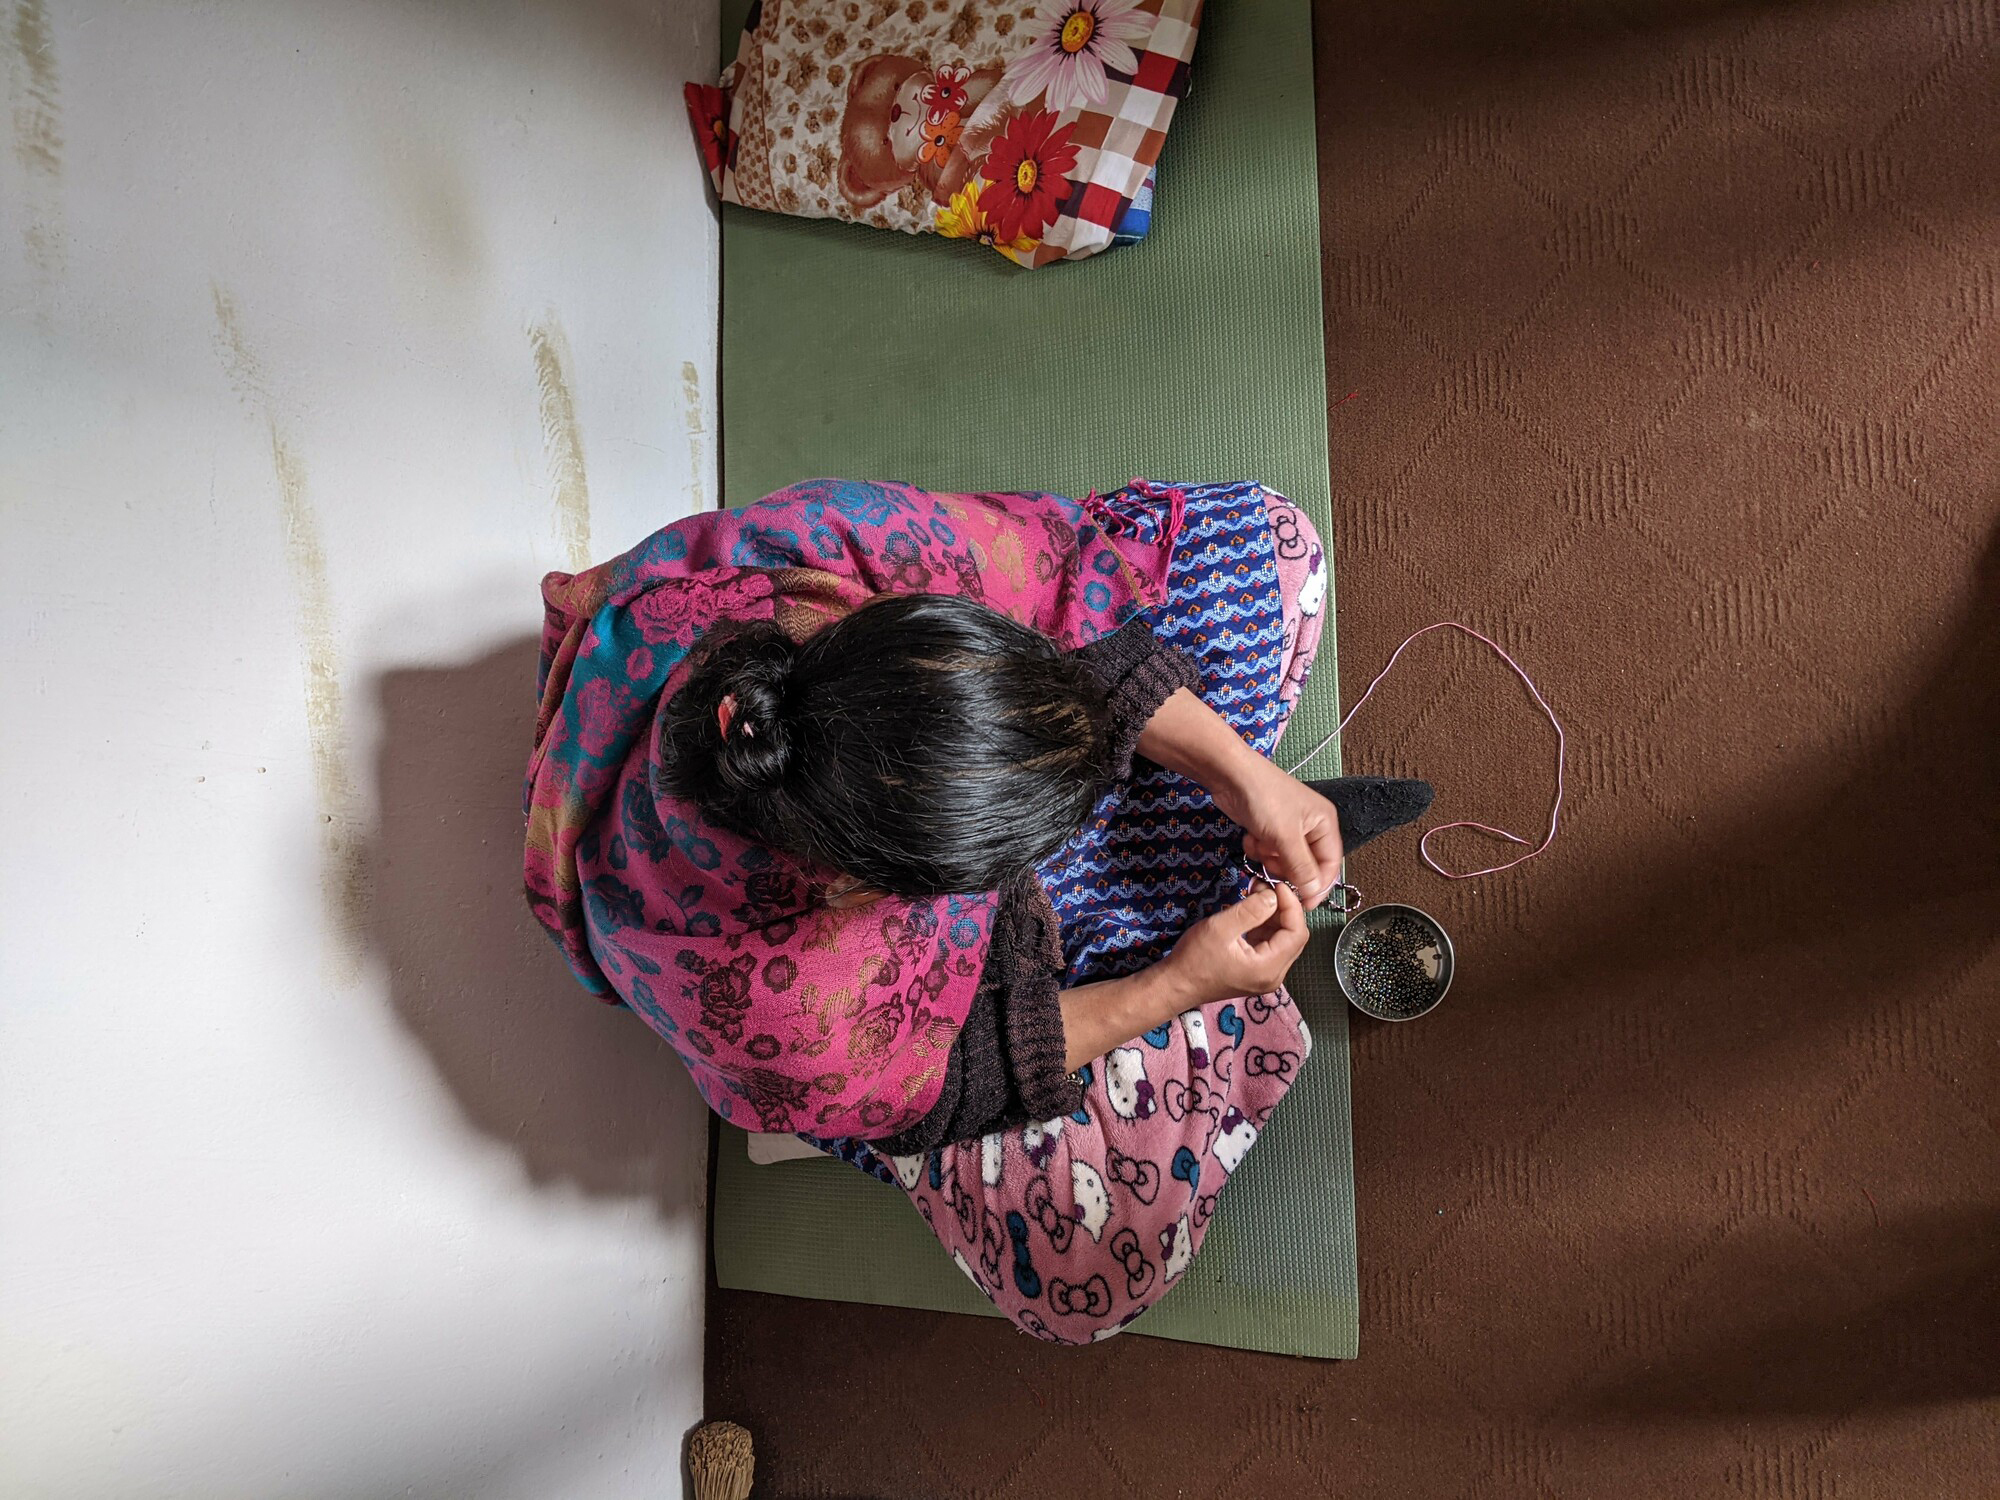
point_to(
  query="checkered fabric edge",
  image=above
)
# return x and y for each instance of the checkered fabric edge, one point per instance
(1119, 144)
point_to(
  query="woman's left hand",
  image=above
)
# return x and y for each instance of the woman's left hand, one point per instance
(1288, 827)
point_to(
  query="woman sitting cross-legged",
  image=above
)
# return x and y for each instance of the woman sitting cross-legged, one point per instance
(918, 825)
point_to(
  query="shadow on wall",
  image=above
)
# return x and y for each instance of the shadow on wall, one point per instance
(583, 1092)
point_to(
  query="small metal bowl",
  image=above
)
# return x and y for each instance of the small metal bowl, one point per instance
(1354, 986)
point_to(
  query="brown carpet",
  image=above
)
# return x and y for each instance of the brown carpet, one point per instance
(1675, 336)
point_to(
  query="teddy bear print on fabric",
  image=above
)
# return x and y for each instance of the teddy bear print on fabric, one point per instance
(973, 119)
(892, 141)
(865, 109)
(992, 1155)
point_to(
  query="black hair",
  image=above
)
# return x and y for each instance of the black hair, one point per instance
(923, 744)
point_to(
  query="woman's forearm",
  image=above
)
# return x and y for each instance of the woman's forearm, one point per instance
(1110, 1013)
(1186, 736)
(1288, 828)
(1189, 737)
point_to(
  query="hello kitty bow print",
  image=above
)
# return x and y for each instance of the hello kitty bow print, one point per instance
(1031, 126)
(790, 1014)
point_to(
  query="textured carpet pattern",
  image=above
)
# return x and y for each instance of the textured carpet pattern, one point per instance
(1675, 338)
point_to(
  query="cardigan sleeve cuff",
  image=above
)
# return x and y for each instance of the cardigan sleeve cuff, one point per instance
(1007, 1065)
(1032, 1024)
(1138, 674)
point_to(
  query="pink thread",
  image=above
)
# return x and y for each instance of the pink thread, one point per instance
(1562, 745)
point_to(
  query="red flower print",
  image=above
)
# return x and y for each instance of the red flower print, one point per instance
(940, 135)
(1027, 175)
(708, 109)
(945, 94)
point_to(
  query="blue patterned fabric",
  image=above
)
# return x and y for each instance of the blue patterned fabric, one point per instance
(1158, 854)
(856, 1153)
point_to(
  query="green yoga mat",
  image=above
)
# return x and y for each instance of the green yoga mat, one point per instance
(1196, 355)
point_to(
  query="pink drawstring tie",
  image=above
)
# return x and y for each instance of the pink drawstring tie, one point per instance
(1115, 524)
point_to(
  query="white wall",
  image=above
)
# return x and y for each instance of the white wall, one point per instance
(327, 326)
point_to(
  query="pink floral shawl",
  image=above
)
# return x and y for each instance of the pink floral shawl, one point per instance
(789, 1014)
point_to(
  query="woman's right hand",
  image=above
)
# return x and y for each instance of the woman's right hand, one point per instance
(1246, 949)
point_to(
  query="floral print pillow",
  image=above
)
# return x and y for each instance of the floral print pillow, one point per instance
(1031, 126)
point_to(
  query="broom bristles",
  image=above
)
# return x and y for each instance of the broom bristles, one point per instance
(720, 1462)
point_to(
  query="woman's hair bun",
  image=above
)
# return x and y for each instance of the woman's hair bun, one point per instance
(922, 744)
(752, 667)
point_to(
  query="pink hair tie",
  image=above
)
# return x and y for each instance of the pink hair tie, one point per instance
(725, 715)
